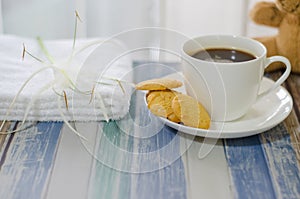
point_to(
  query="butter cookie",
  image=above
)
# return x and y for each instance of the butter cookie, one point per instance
(160, 104)
(158, 84)
(190, 111)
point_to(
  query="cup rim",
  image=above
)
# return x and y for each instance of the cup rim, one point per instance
(195, 39)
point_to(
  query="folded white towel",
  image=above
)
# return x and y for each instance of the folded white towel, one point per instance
(49, 88)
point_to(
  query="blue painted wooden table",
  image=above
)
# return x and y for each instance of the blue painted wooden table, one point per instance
(139, 157)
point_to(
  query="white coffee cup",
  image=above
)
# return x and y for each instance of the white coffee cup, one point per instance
(227, 90)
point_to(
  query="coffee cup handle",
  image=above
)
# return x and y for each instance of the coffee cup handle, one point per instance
(282, 78)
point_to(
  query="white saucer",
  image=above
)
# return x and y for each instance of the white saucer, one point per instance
(265, 114)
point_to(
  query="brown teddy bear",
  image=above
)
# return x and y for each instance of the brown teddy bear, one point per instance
(285, 15)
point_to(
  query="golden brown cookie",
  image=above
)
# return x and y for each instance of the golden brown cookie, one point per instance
(190, 111)
(158, 84)
(160, 104)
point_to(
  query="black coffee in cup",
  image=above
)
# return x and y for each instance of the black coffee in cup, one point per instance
(223, 55)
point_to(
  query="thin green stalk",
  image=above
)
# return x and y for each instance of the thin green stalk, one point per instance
(45, 51)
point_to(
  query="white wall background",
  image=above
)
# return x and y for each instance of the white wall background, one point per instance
(194, 17)
(55, 18)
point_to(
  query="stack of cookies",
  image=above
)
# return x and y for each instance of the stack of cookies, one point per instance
(165, 102)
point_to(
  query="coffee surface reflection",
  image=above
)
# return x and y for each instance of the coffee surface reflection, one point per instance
(223, 55)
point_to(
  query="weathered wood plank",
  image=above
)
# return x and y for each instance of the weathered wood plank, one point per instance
(248, 168)
(5, 140)
(3, 137)
(278, 151)
(293, 127)
(106, 179)
(28, 162)
(138, 158)
(72, 166)
(282, 162)
(206, 173)
(159, 159)
(292, 122)
(166, 176)
(293, 85)
(140, 174)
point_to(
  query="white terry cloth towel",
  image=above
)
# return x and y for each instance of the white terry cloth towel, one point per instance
(90, 84)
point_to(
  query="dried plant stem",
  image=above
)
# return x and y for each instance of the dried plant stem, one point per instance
(60, 89)
(18, 129)
(66, 100)
(119, 83)
(92, 94)
(66, 121)
(31, 55)
(102, 106)
(77, 17)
